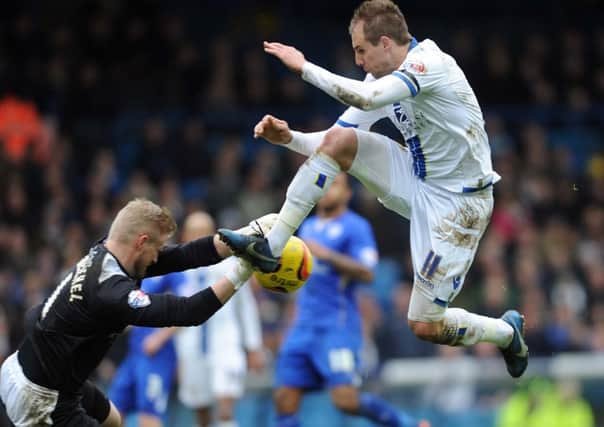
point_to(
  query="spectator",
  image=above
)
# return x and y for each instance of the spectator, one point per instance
(20, 128)
(543, 404)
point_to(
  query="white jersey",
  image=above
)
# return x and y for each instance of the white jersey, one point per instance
(436, 181)
(211, 357)
(441, 121)
(235, 327)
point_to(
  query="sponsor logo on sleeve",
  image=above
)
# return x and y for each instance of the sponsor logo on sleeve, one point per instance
(138, 299)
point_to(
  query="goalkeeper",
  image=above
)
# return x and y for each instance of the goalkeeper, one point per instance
(46, 381)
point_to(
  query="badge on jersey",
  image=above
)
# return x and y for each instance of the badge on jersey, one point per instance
(138, 299)
(416, 66)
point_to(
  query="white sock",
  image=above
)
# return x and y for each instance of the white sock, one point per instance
(465, 328)
(310, 183)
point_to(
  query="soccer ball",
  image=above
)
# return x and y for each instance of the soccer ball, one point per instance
(294, 269)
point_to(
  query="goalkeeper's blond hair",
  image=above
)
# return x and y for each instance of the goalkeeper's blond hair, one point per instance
(142, 216)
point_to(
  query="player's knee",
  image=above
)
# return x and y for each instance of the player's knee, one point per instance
(286, 400)
(346, 399)
(341, 145)
(225, 409)
(225, 415)
(427, 331)
(204, 416)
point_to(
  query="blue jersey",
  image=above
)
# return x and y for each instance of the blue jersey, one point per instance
(154, 285)
(328, 298)
(323, 346)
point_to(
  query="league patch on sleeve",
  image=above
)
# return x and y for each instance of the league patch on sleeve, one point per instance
(416, 66)
(138, 299)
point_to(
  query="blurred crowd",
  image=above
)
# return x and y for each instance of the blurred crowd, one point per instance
(104, 101)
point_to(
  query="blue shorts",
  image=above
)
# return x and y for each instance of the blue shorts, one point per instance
(314, 358)
(142, 384)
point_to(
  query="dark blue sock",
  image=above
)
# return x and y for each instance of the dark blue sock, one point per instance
(381, 412)
(289, 420)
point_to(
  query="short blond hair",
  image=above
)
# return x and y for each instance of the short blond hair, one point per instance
(381, 18)
(141, 216)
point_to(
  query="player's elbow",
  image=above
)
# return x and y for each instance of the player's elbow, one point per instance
(358, 99)
(366, 104)
(369, 99)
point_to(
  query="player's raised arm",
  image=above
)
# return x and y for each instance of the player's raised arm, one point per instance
(365, 95)
(200, 252)
(360, 94)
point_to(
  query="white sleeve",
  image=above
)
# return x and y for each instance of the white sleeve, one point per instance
(305, 143)
(364, 95)
(355, 118)
(426, 68)
(248, 318)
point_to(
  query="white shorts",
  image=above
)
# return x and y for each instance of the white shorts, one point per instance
(27, 404)
(204, 378)
(445, 227)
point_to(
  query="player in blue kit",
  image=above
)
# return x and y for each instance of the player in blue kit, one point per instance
(144, 378)
(323, 346)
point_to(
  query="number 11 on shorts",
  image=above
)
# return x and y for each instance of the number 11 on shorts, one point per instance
(430, 265)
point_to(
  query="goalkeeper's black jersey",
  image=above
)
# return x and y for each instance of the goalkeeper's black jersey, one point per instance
(69, 334)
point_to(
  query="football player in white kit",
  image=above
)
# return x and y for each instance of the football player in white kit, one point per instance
(442, 181)
(212, 358)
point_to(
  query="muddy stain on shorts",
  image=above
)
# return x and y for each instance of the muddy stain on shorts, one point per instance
(461, 228)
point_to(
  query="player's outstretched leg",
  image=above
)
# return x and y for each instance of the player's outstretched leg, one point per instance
(308, 186)
(253, 234)
(516, 354)
(464, 328)
(259, 226)
(252, 248)
(459, 327)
